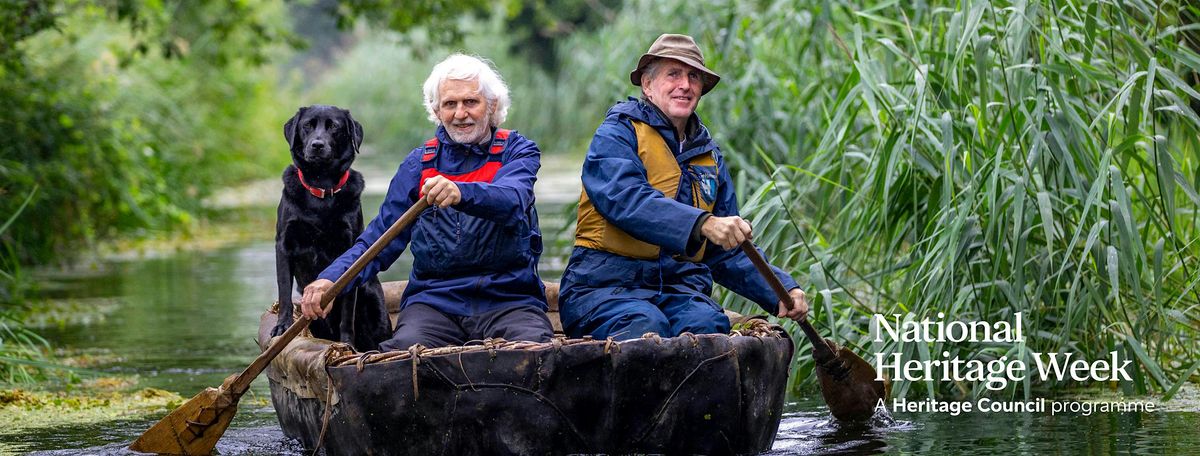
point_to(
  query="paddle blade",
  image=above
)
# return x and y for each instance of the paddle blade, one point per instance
(854, 395)
(193, 428)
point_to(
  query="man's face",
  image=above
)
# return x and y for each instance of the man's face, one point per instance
(463, 111)
(675, 89)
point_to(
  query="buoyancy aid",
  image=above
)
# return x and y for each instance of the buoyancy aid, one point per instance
(666, 175)
(447, 242)
(485, 173)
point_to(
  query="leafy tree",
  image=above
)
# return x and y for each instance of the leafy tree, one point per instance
(127, 113)
(533, 26)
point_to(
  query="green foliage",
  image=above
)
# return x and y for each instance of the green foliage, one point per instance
(380, 78)
(22, 19)
(20, 349)
(216, 33)
(380, 81)
(530, 27)
(439, 17)
(121, 116)
(536, 26)
(127, 114)
(974, 158)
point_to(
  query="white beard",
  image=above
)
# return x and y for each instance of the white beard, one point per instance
(476, 135)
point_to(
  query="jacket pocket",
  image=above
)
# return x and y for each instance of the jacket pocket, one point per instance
(704, 186)
(428, 241)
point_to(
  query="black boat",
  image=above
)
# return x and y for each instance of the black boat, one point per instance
(692, 394)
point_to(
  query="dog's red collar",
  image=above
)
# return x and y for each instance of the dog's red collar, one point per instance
(321, 192)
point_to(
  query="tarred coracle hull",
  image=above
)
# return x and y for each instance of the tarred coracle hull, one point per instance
(709, 394)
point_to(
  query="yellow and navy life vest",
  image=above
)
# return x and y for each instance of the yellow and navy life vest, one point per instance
(663, 172)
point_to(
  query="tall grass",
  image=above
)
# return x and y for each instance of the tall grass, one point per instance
(21, 350)
(974, 158)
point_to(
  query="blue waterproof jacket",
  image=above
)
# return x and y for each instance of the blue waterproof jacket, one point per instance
(615, 181)
(477, 256)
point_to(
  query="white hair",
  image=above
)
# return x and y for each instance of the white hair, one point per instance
(461, 67)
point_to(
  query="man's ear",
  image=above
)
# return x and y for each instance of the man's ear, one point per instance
(356, 131)
(290, 129)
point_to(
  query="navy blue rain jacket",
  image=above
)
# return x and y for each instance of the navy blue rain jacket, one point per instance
(615, 181)
(477, 256)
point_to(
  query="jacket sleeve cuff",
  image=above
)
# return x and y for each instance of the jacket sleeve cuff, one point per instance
(678, 235)
(697, 239)
(771, 302)
(329, 274)
(469, 193)
(333, 273)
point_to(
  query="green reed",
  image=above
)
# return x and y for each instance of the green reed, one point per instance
(975, 158)
(21, 350)
(984, 159)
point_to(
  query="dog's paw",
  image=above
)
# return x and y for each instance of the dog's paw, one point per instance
(278, 330)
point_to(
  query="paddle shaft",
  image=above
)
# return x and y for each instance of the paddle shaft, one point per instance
(785, 299)
(243, 380)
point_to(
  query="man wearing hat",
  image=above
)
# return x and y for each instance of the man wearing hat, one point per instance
(658, 217)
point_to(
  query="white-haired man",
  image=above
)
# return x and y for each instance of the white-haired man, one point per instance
(475, 250)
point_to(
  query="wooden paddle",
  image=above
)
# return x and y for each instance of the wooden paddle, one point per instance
(847, 381)
(195, 427)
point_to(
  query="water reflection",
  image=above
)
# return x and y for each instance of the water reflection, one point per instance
(181, 320)
(810, 429)
(244, 441)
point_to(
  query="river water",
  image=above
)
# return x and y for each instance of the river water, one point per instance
(184, 321)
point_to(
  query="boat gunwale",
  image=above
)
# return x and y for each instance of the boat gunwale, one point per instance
(341, 354)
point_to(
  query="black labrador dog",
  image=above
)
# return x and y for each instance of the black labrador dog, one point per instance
(319, 217)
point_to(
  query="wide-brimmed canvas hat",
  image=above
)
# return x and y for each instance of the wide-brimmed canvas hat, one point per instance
(678, 47)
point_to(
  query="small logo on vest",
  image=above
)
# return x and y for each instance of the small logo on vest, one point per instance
(708, 187)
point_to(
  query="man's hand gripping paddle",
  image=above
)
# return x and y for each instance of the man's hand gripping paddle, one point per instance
(847, 381)
(195, 427)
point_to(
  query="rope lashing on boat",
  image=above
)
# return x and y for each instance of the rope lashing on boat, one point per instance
(462, 368)
(658, 417)
(342, 355)
(459, 388)
(609, 344)
(759, 328)
(325, 416)
(333, 350)
(362, 359)
(416, 351)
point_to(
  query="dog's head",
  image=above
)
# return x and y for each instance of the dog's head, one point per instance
(323, 136)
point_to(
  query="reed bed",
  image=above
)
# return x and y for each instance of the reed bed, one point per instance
(973, 158)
